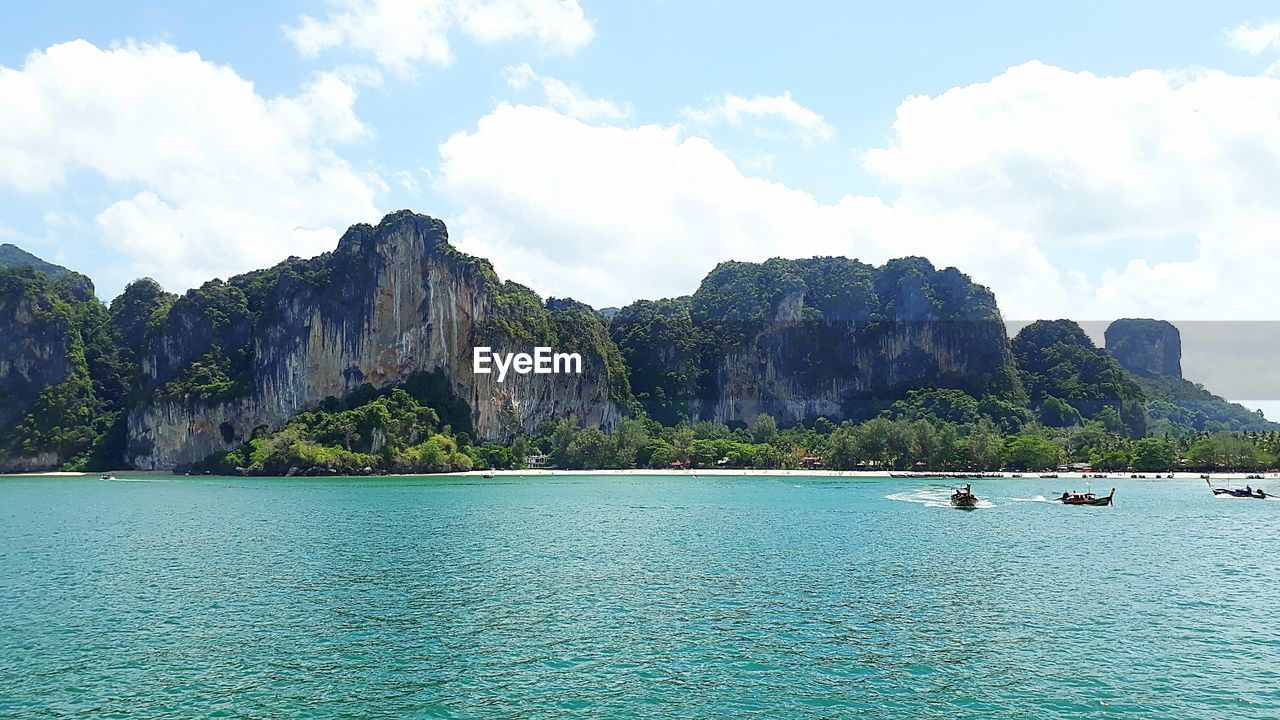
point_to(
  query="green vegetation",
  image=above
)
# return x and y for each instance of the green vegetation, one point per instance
(1178, 405)
(1068, 379)
(203, 349)
(391, 433)
(815, 320)
(1049, 397)
(894, 443)
(63, 417)
(657, 342)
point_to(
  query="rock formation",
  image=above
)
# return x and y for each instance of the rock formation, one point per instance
(390, 301)
(1150, 348)
(800, 339)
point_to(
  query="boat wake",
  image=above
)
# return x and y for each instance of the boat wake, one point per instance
(1038, 498)
(933, 497)
(1225, 496)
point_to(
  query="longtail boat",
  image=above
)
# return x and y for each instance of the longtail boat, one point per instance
(1245, 492)
(963, 497)
(1086, 498)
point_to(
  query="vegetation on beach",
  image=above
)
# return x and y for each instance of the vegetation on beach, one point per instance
(389, 432)
(889, 443)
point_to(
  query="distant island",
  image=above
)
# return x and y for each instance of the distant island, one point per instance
(358, 361)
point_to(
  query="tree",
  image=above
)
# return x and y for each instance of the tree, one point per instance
(1058, 413)
(924, 441)
(703, 453)
(1032, 452)
(561, 436)
(767, 457)
(1111, 460)
(681, 439)
(589, 449)
(873, 441)
(1153, 453)
(842, 448)
(629, 438)
(764, 428)
(984, 445)
(660, 454)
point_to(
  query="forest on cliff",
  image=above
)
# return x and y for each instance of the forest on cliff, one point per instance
(780, 364)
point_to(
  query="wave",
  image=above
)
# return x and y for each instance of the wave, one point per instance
(933, 497)
(1037, 499)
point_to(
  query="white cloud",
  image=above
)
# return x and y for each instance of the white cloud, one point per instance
(216, 179)
(409, 182)
(1087, 165)
(568, 99)
(792, 118)
(1034, 183)
(401, 33)
(613, 214)
(1255, 39)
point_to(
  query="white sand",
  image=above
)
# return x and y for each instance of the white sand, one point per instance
(51, 473)
(845, 473)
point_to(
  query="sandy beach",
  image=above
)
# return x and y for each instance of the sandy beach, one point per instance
(729, 472)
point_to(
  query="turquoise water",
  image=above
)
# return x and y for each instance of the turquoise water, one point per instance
(666, 597)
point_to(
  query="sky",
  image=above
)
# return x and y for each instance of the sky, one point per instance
(1084, 160)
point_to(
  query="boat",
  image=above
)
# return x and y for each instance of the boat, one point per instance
(1245, 492)
(963, 497)
(107, 477)
(1086, 498)
(1050, 476)
(488, 475)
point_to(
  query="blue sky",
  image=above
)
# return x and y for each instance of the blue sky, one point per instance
(1084, 160)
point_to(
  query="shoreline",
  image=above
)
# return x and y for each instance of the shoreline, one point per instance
(710, 472)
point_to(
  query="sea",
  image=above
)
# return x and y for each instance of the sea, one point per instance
(633, 596)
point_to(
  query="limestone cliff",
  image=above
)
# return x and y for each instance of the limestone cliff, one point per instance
(41, 358)
(390, 301)
(1152, 351)
(799, 339)
(1150, 348)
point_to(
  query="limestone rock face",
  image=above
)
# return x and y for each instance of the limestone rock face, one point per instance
(840, 370)
(39, 346)
(1146, 347)
(390, 301)
(34, 346)
(819, 337)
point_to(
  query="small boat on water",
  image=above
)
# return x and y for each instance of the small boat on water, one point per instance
(1086, 498)
(963, 497)
(488, 474)
(1245, 492)
(107, 477)
(1050, 476)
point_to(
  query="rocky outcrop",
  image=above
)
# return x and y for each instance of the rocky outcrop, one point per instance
(1069, 380)
(390, 301)
(1150, 348)
(35, 344)
(40, 350)
(821, 337)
